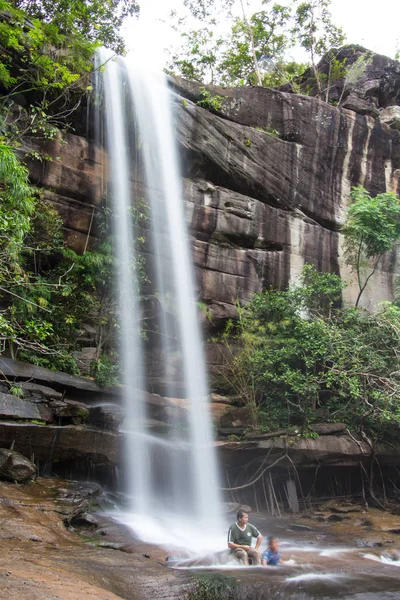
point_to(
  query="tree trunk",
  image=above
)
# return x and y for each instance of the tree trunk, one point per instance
(253, 50)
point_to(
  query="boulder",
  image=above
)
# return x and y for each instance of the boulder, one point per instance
(76, 412)
(13, 407)
(15, 467)
(329, 428)
(365, 87)
(39, 390)
(76, 499)
(106, 416)
(391, 116)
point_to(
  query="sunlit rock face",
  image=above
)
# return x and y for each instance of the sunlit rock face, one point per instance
(267, 180)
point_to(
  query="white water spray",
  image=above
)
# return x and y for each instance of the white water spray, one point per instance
(172, 477)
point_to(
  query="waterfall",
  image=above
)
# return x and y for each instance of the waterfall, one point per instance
(169, 476)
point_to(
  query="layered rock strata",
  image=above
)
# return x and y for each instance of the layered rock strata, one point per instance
(266, 183)
(82, 438)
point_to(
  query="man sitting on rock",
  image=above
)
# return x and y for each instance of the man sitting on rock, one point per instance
(240, 536)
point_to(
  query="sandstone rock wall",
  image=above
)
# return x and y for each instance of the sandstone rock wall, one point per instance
(266, 183)
(286, 162)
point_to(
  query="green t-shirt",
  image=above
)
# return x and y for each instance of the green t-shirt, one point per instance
(242, 537)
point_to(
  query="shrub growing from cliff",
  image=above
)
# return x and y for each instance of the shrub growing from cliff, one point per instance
(371, 228)
(46, 292)
(306, 359)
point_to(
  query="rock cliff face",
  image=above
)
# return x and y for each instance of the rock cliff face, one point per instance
(266, 183)
(282, 167)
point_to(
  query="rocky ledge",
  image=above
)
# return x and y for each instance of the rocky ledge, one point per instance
(42, 419)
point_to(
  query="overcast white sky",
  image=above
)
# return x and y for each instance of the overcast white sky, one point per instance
(374, 24)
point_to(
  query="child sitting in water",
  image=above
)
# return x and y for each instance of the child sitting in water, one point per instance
(271, 555)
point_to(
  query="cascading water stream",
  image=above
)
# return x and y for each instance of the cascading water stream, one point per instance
(131, 350)
(139, 127)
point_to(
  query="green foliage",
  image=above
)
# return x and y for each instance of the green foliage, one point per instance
(269, 40)
(207, 56)
(198, 58)
(16, 202)
(371, 228)
(48, 59)
(316, 33)
(210, 101)
(284, 72)
(105, 372)
(44, 74)
(304, 358)
(16, 390)
(270, 131)
(96, 21)
(314, 28)
(211, 587)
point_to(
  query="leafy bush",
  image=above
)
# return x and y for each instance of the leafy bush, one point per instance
(105, 371)
(208, 101)
(371, 228)
(304, 358)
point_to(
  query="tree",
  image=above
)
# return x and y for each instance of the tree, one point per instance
(43, 76)
(198, 58)
(97, 20)
(371, 228)
(232, 59)
(317, 34)
(306, 359)
(240, 58)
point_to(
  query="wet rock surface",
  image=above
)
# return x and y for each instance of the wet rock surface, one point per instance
(42, 559)
(54, 547)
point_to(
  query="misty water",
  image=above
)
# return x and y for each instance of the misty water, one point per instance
(173, 475)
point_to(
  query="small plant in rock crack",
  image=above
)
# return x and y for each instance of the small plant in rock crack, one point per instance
(208, 101)
(16, 390)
